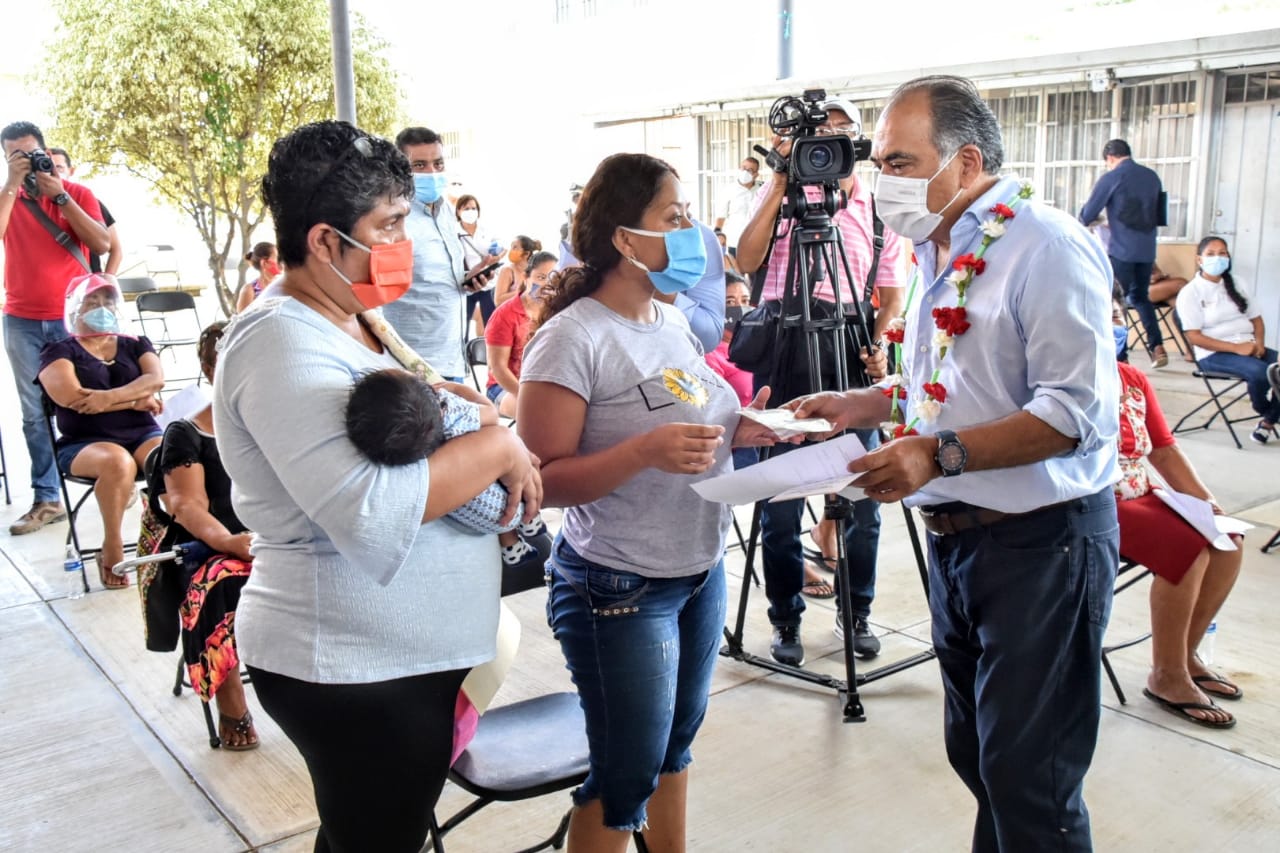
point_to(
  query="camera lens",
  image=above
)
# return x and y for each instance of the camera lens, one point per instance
(819, 157)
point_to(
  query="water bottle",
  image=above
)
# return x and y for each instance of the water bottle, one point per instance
(72, 571)
(1206, 645)
(495, 247)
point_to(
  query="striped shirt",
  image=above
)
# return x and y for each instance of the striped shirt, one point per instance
(857, 232)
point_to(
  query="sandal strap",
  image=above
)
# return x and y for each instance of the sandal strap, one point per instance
(241, 726)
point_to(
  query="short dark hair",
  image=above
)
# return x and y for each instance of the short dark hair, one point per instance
(328, 172)
(394, 418)
(416, 136)
(1117, 148)
(959, 116)
(755, 160)
(63, 153)
(259, 253)
(207, 348)
(731, 277)
(464, 200)
(19, 129)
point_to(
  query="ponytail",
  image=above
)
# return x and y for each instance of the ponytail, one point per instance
(1236, 296)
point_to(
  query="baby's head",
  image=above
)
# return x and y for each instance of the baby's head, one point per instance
(393, 417)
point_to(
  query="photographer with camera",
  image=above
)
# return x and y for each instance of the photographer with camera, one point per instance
(48, 229)
(783, 555)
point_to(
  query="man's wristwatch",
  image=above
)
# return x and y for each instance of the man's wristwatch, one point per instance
(61, 199)
(952, 455)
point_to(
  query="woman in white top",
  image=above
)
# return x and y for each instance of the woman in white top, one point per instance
(1226, 330)
(365, 608)
(476, 249)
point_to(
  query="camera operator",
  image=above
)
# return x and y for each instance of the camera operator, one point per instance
(36, 272)
(783, 556)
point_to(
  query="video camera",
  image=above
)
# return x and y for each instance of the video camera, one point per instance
(816, 159)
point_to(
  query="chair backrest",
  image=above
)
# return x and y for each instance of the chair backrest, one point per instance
(477, 352)
(163, 301)
(137, 284)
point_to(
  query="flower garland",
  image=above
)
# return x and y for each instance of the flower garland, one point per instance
(951, 323)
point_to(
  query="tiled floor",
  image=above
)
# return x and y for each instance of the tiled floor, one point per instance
(99, 755)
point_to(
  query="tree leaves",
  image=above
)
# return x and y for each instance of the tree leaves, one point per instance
(191, 94)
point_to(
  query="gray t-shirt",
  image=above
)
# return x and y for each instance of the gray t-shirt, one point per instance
(348, 584)
(636, 377)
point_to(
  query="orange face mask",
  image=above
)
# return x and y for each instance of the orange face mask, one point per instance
(390, 272)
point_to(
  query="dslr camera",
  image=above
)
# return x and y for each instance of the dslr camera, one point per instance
(816, 160)
(40, 161)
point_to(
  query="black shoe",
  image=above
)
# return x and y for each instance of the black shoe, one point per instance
(865, 644)
(786, 646)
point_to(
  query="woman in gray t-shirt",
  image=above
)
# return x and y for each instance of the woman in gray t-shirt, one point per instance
(365, 608)
(617, 401)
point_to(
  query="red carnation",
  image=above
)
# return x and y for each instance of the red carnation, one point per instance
(969, 261)
(936, 391)
(901, 430)
(894, 391)
(1003, 210)
(894, 336)
(953, 321)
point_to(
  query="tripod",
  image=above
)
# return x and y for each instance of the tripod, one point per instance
(816, 253)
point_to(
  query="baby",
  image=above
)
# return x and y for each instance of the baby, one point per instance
(395, 418)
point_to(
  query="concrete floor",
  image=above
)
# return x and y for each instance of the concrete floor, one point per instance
(99, 755)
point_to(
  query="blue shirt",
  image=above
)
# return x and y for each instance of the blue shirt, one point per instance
(1040, 342)
(429, 316)
(1131, 195)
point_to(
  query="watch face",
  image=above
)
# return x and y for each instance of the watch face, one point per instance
(951, 457)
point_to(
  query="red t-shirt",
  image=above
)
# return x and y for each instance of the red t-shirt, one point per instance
(36, 268)
(509, 327)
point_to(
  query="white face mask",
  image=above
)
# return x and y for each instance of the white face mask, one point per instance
(903, 204)
(469, 217)
(746, 178)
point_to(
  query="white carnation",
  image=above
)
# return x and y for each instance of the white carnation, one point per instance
(928, 410)
(994, 230)
(942, 339)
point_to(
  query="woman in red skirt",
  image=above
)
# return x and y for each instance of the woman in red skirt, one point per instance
(1191, 577)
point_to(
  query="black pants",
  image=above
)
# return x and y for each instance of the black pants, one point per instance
(378, 753)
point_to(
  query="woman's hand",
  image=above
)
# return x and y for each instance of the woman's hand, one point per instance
(91, 402)
(151, 404)
(683, 448)
(751, 433)
(523, 482)
(1245, 349)
(238, 546)
(1259, 349)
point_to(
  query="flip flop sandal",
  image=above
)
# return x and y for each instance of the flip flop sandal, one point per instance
(818, 589)
(108, 578)
(242, 727)
(1180, 709)
(827, 564)
(1202, 680)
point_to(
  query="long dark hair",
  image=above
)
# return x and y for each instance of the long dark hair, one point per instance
(622, 188)
(1227, 281)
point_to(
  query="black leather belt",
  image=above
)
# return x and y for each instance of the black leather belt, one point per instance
(956, 517)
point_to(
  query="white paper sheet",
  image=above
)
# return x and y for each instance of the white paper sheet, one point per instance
(812, 470)
(784, 422)
(1199, 514)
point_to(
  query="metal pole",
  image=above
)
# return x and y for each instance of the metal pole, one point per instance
(784, 39)
(344, 75)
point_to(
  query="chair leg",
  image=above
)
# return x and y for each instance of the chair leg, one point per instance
(1272, 542)
(1111, 674)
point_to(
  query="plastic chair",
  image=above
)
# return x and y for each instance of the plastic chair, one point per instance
(1128, 574)
(1221, 387)
(477, 354)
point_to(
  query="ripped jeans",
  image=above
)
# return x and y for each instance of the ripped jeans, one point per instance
(641, 651)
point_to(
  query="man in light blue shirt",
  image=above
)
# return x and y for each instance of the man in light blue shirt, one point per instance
(429, 317)
(1012, 471)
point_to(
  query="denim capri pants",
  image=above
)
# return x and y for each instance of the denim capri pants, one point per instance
(641, 651)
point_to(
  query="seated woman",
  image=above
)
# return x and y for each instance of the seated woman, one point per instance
(196, 492)
(1226, 331)
(1164, 287)
(1190, 578)
(103, 385)
(507, 333)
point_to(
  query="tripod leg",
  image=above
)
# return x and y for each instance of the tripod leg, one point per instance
(837, 509)
(733, 639)
(921, 564)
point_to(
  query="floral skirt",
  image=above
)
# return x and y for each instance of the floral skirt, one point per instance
(208, 623)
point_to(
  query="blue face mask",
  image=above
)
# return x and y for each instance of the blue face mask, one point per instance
(686, 258)
(1121, 334)
(101, 320)
(1215, 265)
(429, 187)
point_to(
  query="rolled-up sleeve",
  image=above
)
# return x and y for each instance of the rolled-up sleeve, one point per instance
(1063, 309)
(281, 391)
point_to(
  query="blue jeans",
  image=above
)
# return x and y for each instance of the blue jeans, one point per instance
(1254, 373)
(1135, 280)
(1019, 609)
(23, 340)
(641, 651)
(784, 561)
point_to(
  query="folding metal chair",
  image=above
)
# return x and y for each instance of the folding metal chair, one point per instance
(477, 354)
(1220, 386)
(1166, 320)
(161, 306)
(137, 284)
(1129, 573)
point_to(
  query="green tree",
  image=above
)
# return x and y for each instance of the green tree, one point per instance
(191, 94)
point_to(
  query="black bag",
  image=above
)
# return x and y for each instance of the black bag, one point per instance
(766, 333)
(751, 348)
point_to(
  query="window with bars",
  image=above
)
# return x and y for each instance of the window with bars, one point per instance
(1263, 85)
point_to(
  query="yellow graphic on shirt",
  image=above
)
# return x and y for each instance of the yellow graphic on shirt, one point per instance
(684, 386)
